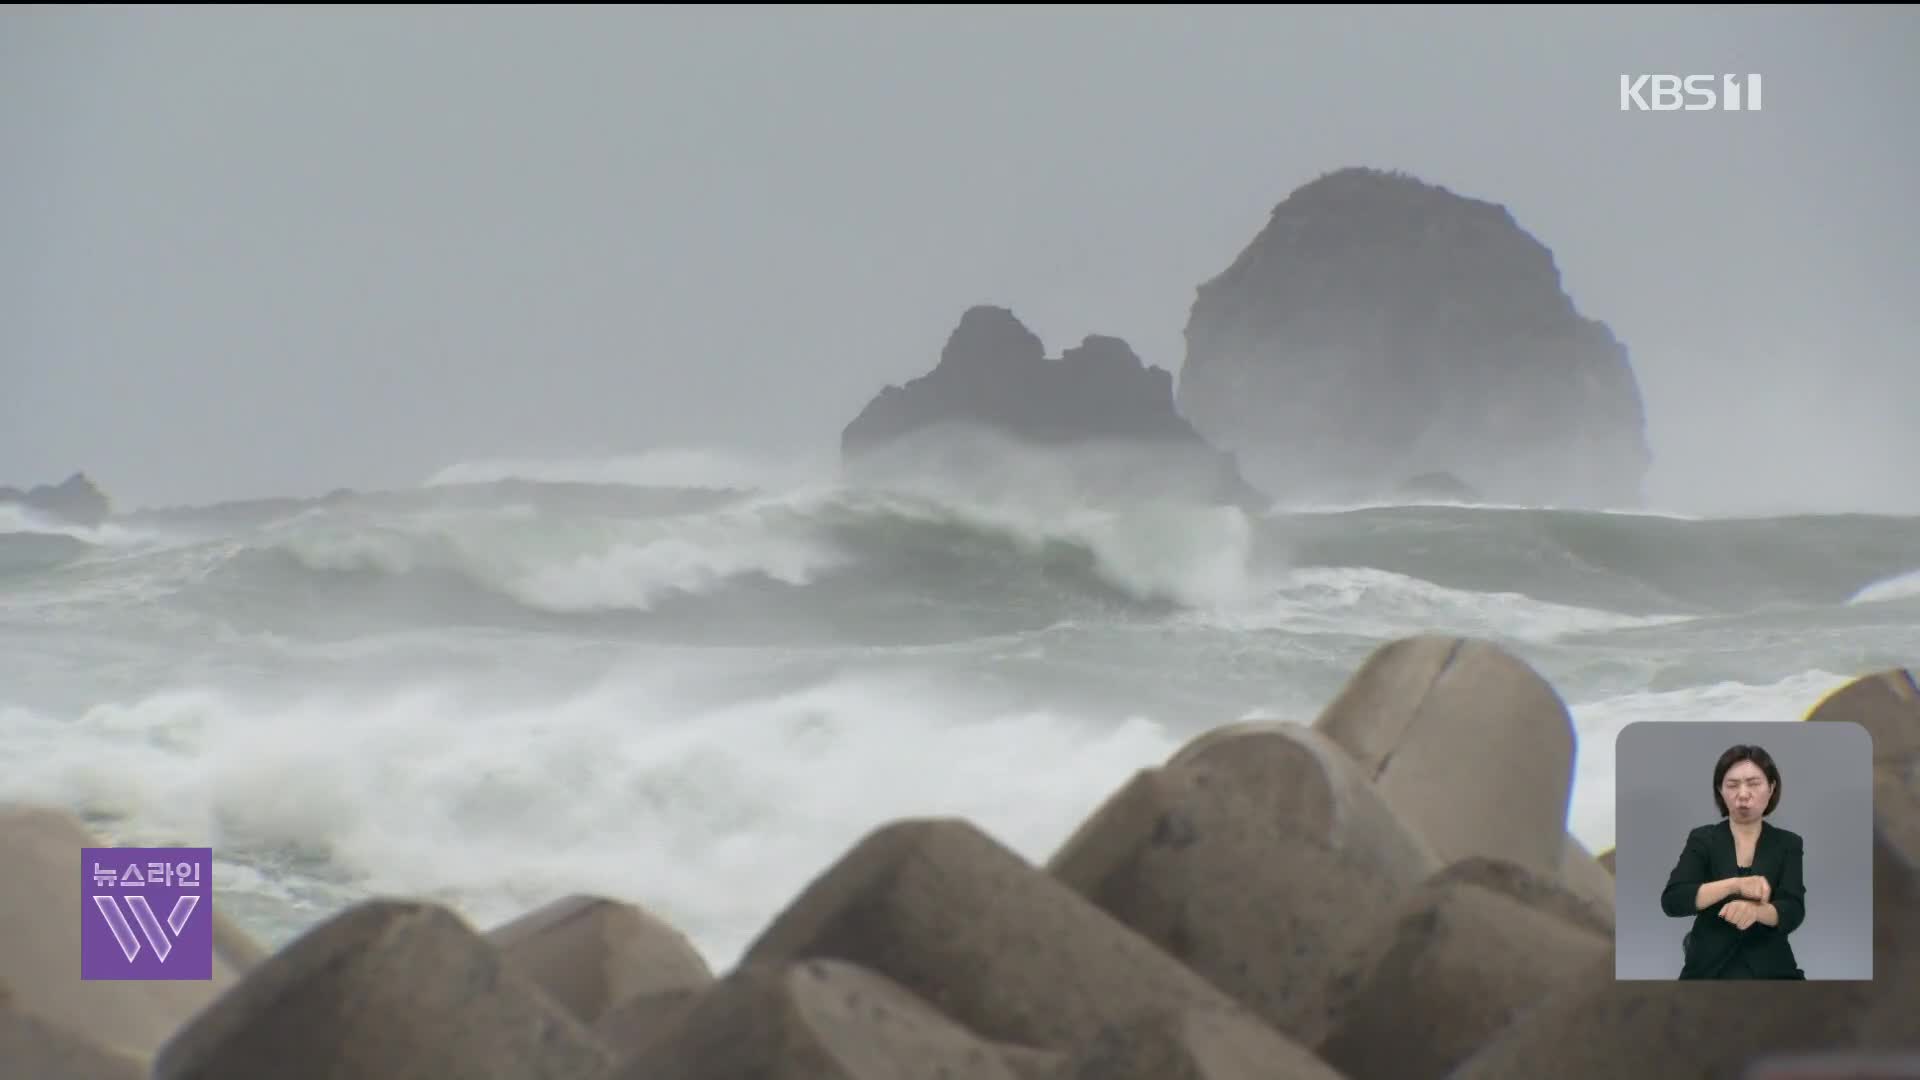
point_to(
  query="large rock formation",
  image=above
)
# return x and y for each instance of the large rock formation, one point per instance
(1097, 418)
(1380, 328)
(75, 500)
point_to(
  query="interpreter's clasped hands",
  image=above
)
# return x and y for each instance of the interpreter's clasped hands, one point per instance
(1741, 913)
(1755, 887)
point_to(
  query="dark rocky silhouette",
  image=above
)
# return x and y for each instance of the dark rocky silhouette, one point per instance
(1438, 485)
(1380, 327)
(74, 500)
(1099, 411)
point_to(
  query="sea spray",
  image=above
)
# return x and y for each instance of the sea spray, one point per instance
(499, 688)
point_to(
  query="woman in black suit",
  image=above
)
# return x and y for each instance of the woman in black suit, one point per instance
(1740, 880)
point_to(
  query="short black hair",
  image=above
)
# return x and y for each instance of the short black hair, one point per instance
(1734, 756)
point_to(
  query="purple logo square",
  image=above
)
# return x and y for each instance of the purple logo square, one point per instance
(146, 913)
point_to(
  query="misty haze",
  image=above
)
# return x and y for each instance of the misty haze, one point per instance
(268, 253)
(490, 455)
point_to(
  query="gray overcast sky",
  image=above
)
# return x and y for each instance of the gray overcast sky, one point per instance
(250, 252)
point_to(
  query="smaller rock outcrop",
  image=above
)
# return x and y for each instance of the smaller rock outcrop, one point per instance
(75, 500)
(1437, 486)
(1097, 418)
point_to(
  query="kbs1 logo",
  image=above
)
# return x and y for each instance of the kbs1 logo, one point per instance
(1691, 93)
(146, 913)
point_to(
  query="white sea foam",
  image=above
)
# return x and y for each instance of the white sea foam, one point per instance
(570, 565)
(1599, 723)
(1899, 587)
(713, 814)
(1307, 506)
(15, 518)
(1190, 555)
(486, 764)
(690, 467)
(1375, 603)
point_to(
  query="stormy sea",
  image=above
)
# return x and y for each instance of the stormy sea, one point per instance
(692, 684)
